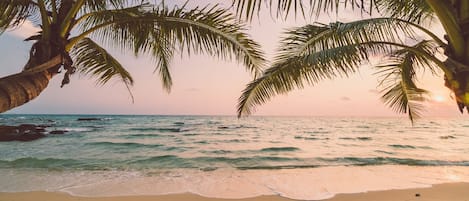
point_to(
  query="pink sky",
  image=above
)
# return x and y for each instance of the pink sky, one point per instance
(208, 86)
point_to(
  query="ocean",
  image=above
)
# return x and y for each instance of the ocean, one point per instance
(223, 156)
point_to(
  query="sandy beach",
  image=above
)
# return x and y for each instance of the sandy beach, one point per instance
(441, 192)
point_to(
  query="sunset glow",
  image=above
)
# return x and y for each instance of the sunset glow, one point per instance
(208, 86)
(439, 98)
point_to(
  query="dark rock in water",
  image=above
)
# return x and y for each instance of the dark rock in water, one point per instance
(40, 129)
(58, 132)
(23, 132)
(208, 169)
(447, 137)
(88, 119)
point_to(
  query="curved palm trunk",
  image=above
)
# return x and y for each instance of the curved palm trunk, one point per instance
(18, 89)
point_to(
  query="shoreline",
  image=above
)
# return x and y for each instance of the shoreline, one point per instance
(438, 192)
(294, 184)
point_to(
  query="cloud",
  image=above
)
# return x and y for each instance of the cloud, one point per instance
(344, 98)
(374, 91)
(192, 89)
(24, 31)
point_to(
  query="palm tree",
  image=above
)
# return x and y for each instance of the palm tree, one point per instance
(70, 28)
(317, 51)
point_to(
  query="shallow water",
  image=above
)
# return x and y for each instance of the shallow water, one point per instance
(147, 148)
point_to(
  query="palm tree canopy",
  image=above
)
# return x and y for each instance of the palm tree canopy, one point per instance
(318, 51)
(136, 26)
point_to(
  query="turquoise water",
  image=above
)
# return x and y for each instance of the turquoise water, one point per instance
(180, 148)
(209, 143)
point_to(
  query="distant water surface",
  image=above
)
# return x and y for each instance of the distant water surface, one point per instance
(165, 145)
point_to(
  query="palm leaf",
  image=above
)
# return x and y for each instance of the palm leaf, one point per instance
(163, 52)
(316, 52)
(93, 60)
(316, 37)
(248, 8)
(404, 98)
(99, 5)
(295, 72)
(417, 11)
(400, 91)
(92, 6)
(15, 12)
(411, 10)
(142, 28)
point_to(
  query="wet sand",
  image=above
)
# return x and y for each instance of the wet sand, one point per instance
(441, 192)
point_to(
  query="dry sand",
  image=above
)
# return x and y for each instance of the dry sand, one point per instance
(441, 192)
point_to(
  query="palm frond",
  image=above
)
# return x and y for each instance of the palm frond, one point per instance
(412, 10)
(93, 60)
(163, 51)
(404, 98)
(316, 37)
(15, 12)
(316, 52)
(209, 30)
(296, 71)
(99, 5)
(246, 9)
(417, 11)
(398, 75)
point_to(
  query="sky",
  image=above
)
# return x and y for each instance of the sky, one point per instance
(203, 85)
